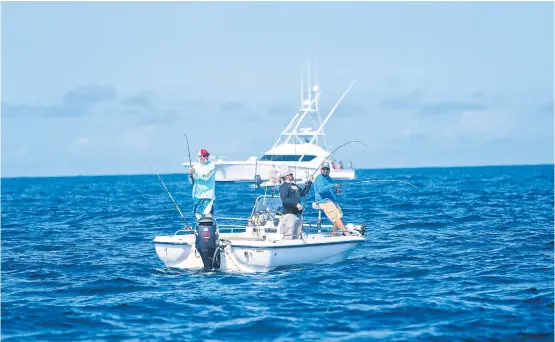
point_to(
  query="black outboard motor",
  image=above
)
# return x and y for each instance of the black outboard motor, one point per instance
(208, 243)
(257, 180)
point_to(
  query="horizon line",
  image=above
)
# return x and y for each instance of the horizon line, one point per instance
(360, 169)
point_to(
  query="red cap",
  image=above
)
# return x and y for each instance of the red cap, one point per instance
(204, 153)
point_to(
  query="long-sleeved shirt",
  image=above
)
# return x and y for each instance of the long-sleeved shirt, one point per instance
(204, 180)
(290, 195)
(324, 189)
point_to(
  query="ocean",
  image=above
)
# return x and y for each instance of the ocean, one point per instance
(466, 256)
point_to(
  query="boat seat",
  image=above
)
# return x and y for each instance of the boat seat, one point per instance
(315, 206)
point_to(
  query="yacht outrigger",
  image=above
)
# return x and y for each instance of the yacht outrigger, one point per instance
(256, 247)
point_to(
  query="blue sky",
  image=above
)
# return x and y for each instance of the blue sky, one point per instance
(98, 88)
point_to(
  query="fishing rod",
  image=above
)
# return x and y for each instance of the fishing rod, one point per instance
(303, 200)
(188, 150)
(167, 190)
(273, 173)
(380, 180)
(332, 152)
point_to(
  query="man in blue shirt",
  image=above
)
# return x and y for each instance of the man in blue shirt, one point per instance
(203, 178)
(325, 199)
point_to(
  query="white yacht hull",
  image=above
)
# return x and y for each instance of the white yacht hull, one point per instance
(248, 255)
(246, 172)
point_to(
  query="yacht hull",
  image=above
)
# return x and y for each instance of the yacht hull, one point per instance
(243, 172)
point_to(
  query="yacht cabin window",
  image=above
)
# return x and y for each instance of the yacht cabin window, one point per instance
(290, 157)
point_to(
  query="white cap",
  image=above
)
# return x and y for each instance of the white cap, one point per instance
(285, 171)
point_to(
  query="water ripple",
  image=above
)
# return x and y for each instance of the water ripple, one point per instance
(467, 256)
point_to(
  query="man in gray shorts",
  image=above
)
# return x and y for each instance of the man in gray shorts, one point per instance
(290, 194)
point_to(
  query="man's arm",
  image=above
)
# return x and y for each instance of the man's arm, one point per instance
(191, 175)
(320, 187)
(306, 189)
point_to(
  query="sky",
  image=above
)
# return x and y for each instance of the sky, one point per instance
(100, 88)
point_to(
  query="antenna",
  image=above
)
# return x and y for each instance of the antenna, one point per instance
(315, 74)
(309, 84)
(332, 111)
(302, 86)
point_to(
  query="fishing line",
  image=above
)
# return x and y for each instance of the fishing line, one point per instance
(160, 178)
(347, 143)
(323, 161)
(380, 180)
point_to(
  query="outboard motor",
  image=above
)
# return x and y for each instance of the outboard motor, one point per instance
(258, 180)
(208, 243)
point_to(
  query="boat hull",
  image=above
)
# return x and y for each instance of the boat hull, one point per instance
(248, 255)
(243, 172)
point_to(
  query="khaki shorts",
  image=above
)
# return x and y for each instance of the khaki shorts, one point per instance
(332, 210)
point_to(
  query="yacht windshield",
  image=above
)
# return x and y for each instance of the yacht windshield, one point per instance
(290, 157)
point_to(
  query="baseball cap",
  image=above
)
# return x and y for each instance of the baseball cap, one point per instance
(325, 165)
(284, 172)
(203, 153)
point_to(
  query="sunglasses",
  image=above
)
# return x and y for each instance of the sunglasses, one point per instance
(325, 169)
(205, 156)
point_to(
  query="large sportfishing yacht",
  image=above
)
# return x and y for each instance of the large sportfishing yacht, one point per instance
(302, 146)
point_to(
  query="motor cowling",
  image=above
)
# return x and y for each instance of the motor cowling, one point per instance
(257, 180)
(207, 243)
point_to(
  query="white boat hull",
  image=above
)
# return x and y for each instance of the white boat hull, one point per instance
(246, 172)
(248, 255)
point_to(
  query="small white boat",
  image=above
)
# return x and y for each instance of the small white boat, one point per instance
(258, 246)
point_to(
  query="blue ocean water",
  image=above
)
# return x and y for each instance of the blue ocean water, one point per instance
(467, 256)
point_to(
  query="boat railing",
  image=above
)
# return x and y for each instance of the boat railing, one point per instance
(231, 228)
(186, 231)
(232, 218)
(224, 228)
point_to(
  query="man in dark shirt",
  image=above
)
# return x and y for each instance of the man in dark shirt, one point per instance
(290, 194)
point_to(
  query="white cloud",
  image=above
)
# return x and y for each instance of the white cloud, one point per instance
(83, 141)
(139, 139)
(480, 126)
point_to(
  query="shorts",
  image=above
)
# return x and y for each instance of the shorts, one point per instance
(332, 210)
(203, 206)
(291, 226)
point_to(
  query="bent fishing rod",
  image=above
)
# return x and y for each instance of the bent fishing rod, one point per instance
(332, 152)
(160, 178)
(323, 161)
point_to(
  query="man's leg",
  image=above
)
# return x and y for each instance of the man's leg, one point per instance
(298, 227)
(334, 231)
(334, 214)
(196, 207)
(288, 226)
(209, 208)
(340, 224)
